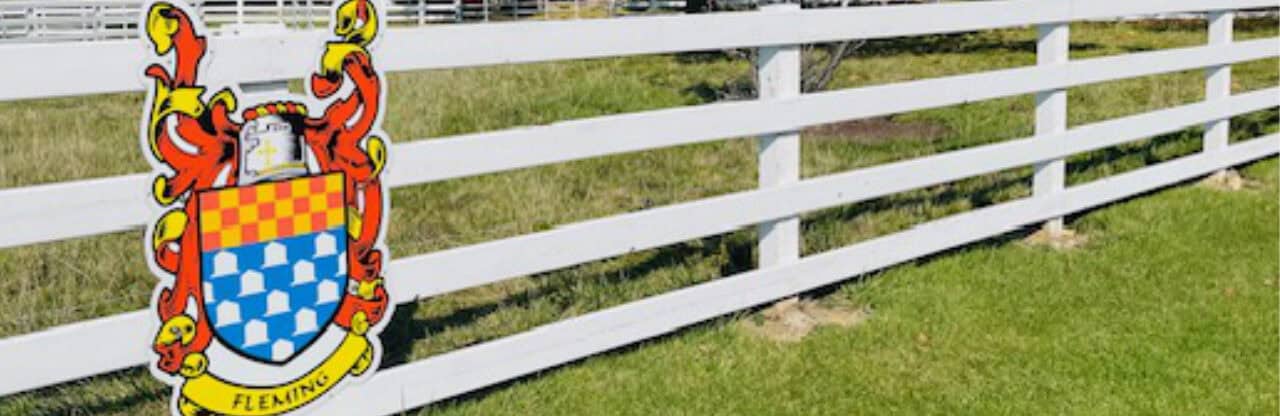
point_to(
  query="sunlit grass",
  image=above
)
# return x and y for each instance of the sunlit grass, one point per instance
(987, 303)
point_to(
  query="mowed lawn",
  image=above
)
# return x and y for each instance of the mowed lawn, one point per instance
(1170, 308)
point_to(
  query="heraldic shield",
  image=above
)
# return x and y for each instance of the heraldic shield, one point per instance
(273, 263)
(270, 208)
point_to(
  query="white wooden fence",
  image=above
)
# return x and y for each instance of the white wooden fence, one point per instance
(105, 205)
(83, 20)
(34, 21)
(26, 21)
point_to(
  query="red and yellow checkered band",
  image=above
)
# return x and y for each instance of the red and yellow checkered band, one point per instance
(234, 217)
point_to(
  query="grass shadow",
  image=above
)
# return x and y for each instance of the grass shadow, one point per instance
(954, 43)
(1252, 125)
(823, 291)
(737, 248)
(1140, 153)
(866, 208)
(144, 392)
(405, 329)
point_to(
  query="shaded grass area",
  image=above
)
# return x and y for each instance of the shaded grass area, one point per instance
(52, 140)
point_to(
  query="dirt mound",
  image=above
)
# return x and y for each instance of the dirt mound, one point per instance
(1228, 180)
(792, 319)
(1063, 240)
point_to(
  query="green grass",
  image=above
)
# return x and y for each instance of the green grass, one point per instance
(1003, 330)
(1167, 310)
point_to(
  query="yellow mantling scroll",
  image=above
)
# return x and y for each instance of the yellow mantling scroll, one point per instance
(210, 394)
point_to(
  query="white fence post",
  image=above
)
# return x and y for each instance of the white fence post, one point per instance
(1218, 81)
(778, 76)
(1052, 48)
(31, 25)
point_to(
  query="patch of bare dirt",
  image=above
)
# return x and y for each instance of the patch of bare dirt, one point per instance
(877, 130)
(1228, 180)
(792, 319)
(1062, 240)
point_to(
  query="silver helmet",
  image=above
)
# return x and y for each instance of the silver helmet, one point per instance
(271, 149)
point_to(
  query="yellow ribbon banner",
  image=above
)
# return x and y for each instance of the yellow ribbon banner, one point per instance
(209, 393)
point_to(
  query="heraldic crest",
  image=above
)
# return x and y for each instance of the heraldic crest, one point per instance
(270, 225)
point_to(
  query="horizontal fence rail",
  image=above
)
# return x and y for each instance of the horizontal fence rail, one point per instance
(598, 239)
(123, 207)
(50, 357)
(447, 375)
(292, 55)
(97, 20)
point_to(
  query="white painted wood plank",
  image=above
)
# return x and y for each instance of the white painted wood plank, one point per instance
(73, 209)
(447, 375)
(75, 351)
(117, 64)
(456, 269)
(451, 270)
(526, 41)
(474, 154)
(1097, 9)
(119, 355)
(1129, 184)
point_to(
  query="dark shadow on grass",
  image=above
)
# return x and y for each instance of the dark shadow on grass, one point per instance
(1245, 24)
(397, 337)
(1253, 125)
(405, 329)
(480, 394)
(1139, 153)
(994, 242)
(1170, 25)
(705, 91)
(735, 249)
(989, 194)
(1159, 149)
(936, 195)
(954, 43)
(90, 404)
(1256, 24)
(703, 57)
